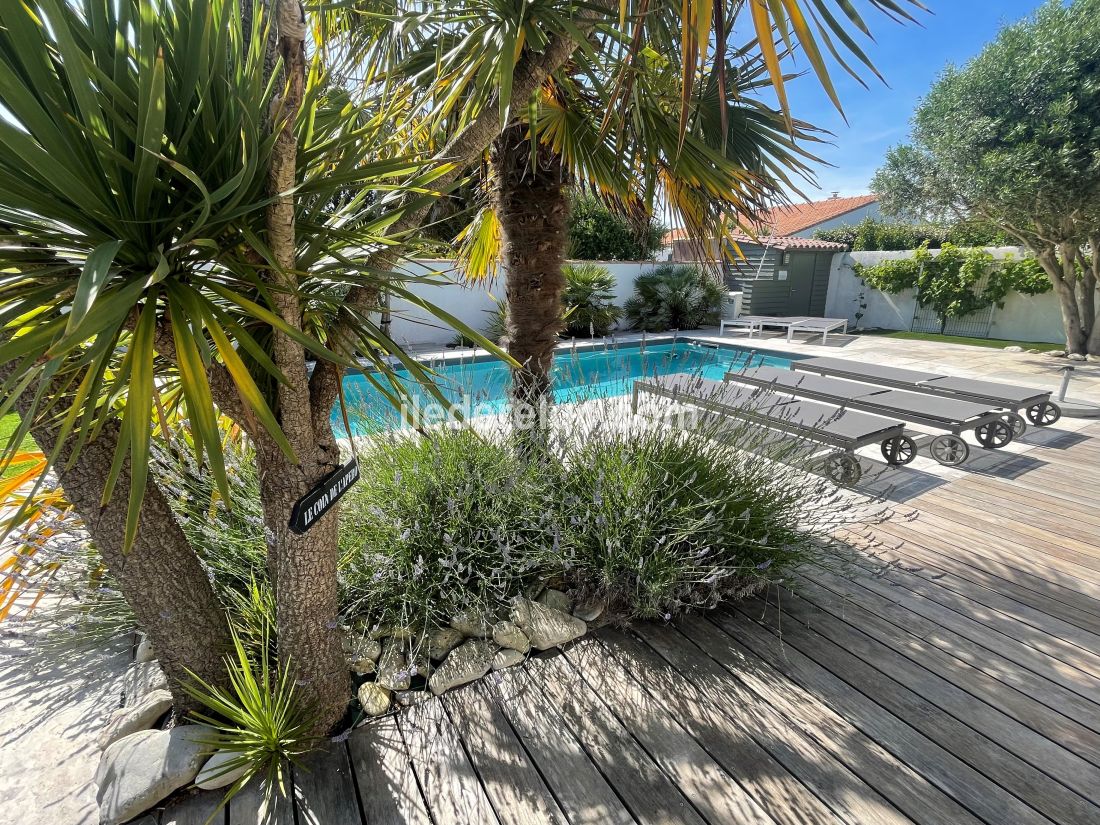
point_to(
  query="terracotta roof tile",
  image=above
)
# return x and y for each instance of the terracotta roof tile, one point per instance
(792, 242)
(786, 220)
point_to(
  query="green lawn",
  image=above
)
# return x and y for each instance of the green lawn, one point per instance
(8, 425)
(994, 343)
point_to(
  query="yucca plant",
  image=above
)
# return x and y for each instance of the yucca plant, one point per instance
(260, 719)
(182, 214)
(589, 300)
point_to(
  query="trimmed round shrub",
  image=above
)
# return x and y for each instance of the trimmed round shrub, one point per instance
(659, 519)
(441, 524)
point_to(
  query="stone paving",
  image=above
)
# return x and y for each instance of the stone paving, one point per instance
(990, 363)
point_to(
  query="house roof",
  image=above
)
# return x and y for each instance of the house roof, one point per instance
(785, 242)
(786, 220)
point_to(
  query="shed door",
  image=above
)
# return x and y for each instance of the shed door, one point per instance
(800, 277)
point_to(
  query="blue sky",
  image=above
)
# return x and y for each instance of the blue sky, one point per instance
(909, 57)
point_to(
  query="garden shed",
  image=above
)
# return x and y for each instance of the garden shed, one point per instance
(782, 275)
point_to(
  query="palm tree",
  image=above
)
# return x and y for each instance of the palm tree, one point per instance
(629, 99)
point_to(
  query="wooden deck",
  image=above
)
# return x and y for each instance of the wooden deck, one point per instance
(961, 685)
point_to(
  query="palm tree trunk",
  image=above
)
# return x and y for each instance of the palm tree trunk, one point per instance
(533, 207)
(160, 577)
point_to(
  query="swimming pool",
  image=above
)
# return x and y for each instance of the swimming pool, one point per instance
(480, 387)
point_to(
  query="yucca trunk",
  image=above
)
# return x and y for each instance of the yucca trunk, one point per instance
(303, 573)
(532, 204)
(160, 577)
(302, 568)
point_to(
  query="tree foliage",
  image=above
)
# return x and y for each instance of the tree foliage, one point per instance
(597, 233)
(1011, 138)
(876, 235)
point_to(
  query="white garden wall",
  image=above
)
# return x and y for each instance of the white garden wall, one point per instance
(1023, 317)
(473, 303)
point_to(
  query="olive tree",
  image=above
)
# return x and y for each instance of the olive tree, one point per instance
(1011, 138)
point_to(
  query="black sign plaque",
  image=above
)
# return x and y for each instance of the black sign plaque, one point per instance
(317, 501)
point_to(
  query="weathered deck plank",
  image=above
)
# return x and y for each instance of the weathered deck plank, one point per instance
(1060, 715)
(793, 777)
(579, 787)
(714, 791)
(511, 781)
(638, 780)
(877, 645)
(447, 779)
(959, 686)
(384, 774)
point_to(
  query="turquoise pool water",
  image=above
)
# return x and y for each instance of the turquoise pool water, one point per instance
(481, 388)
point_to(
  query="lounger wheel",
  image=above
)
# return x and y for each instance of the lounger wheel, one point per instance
(899, 451)
(1044, 413)
(949, 449)
(994, 434)
(1016, 422)
(843, 468)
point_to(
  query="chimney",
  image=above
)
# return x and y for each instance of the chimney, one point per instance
(834, 196)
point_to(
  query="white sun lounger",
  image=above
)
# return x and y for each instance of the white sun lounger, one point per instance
(826, 424)
(791, 323)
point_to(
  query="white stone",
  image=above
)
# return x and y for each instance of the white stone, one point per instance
(362, 653)
(590, 611)
(393, 673)
(363, 667)
(507, 657)
(216, 773)
(545, 626)
(138, 771)
(1014, 348)
(387, 631)
(144, 652)
(443, 641)
(408, 698)
(1076, 356)
(1055, 353)
(132, 718)
(418, 664)
(374, 698)
(472, 625)
(142, 678)
(506, 634)
(556, 600)
(467, 662)
(360, 647)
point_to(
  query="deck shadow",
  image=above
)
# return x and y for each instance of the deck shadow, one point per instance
(1052, 439)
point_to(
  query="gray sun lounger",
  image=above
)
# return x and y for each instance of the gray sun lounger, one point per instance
(1040, 410)
(791, 323)
(843, 429)
(936, 412)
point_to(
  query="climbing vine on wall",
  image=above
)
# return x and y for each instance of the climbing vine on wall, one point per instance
(948, 282)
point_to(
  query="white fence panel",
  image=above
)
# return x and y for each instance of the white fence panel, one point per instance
(1023, 318)
(473, 303)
